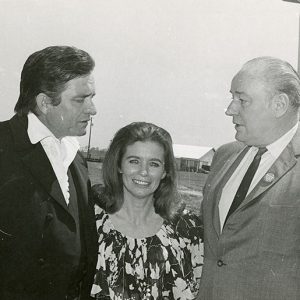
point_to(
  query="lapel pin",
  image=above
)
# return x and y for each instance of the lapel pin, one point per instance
(269, 177)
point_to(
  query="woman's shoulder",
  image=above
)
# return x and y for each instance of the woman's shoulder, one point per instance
(188, 224)
(98, 210)
(186, 215)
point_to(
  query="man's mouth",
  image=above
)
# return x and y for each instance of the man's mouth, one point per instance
(237, 126)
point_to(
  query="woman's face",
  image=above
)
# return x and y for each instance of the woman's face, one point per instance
(142, 169)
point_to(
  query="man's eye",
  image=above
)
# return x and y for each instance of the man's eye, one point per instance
(79, 100)
(243, 101)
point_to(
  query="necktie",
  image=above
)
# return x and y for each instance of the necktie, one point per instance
(246, 181)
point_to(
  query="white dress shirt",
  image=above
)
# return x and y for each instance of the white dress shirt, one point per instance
(267, 160)
(60, 153)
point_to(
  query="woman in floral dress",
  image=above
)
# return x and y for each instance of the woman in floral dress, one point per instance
(149, 247)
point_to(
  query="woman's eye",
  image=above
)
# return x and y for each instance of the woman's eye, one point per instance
(154, 164)
(133, 161)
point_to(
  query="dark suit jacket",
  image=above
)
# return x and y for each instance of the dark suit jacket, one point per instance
(257, 255)
(37, 231)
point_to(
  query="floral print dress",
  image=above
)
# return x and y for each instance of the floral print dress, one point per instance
(165, 266)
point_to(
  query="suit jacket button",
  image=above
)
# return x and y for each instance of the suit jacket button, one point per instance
(49, 217)
(220, 263)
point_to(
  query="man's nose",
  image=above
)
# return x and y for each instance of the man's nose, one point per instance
(232, 108)
(91, 108)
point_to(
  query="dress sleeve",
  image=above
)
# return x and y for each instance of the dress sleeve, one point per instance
(190, 227)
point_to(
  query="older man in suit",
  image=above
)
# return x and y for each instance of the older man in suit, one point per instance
(48, 246)
(251, 205)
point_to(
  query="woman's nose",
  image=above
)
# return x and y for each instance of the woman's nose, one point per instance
(144, 169)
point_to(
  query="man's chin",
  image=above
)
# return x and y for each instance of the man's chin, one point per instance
(82, 133)
(239, 137)
(78, 133)
(243, 140)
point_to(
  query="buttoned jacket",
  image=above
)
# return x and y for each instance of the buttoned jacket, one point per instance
(257, 254)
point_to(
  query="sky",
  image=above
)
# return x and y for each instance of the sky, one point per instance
(169, 62)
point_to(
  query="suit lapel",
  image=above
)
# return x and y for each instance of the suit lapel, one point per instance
(35, 159)
(40, 167)
(82, 174)
(217, 187)
(285, 161)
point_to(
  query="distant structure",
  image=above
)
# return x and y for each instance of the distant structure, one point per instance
(188, 158)
(193, 158)
(93, 154)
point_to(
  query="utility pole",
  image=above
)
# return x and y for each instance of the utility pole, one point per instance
(89, 144)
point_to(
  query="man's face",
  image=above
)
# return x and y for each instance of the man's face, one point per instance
(71, 116)
(251, 110)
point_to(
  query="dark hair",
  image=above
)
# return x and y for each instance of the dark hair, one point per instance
(166, 200)
(47, 71)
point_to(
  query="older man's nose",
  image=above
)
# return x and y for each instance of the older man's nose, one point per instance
(232, 109)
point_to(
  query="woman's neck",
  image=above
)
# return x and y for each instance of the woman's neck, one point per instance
(138, 210)
(137, 219)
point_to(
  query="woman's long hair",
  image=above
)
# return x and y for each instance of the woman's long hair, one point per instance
(166, 200)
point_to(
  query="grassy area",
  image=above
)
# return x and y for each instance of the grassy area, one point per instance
(95, 172)
(190, 185)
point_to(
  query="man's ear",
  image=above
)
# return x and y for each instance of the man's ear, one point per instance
(43, 103)
(280, 104)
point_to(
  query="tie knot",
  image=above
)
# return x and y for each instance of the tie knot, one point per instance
(261, 151)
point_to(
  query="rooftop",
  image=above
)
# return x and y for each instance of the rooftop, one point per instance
(189, 151)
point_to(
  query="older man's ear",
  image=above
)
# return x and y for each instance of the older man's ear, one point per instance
(280, 104)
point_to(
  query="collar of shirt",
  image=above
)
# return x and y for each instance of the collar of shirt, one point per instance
(37, 132)
(267, 159)
(277, 147)
(60, 153)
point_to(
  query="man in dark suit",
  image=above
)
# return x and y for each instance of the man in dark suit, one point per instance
(48, 246)
(251, 204)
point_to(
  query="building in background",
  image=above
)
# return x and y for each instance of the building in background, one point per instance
(188, 158)
(193, 158)
(93, 154)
